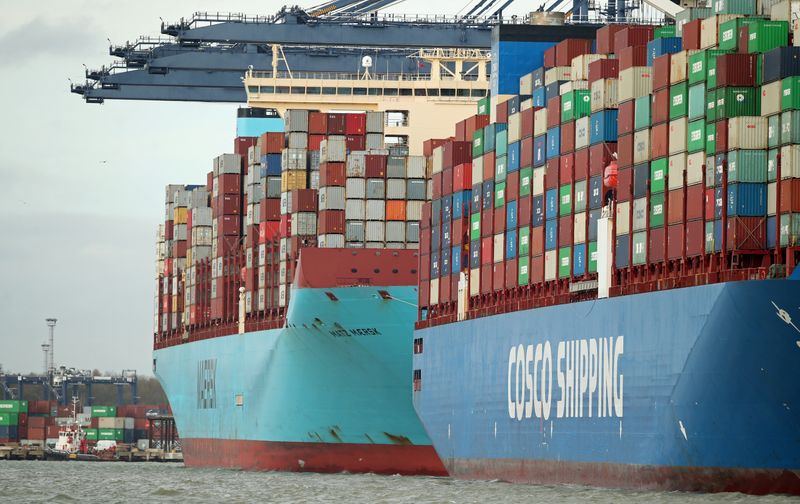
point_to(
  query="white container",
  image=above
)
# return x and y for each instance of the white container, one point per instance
(304, 224)
(286, 202)
(283, 295)
(582, 132)
(539, 122)
(376, 210)
(499, 242)
(415, 167)
(634, 82)
(677, 135)
(474, 282)
(623, 224)
(396, 189)
(330, 241)
(709, 29)
(573, 85)
(747, 132)
(514, 125)
(678, 63)
(294, 159)
(355, 209)
(676, 166)
(356, 164)
(333, 149)
(477, 170)
(771, 97)
(331, 198)
(605, 94)
(526, 85)
(641, 146)
(356, 188)
(694, 168)
(375, 231)
(295, 120)
(580, 65)
(555, 74)
(550, 265)
(640, 209)
(375, 122)
(538, 181)
(790, 162)
(438, 160)
(414, 210)
(395, 231)
(354, 231)
(227, 163)
(376, 188)
(579, 227)
(772, 200)
(434, 297)
(297, 140)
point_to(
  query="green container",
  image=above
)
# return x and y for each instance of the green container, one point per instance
(580, 196)
(772, 165)
(576, 104)
(774, 130)
(119, 434)
(696, 136)
(489, 134)
(747, 166)
(746, 7)
(477, 143)
(501, 143)
(640, 247)
(697, 101)
(790, 127)
(592, 257)
(484, 106)
(664, 31)
(475, 227)
(499, 194)
(500, 166)
(711, 139)
(565, 200)
(709, 237)
(678, 100)
(641, 115)
(104, 411)
(9, 418)
(564, 262)
(9, 406)
(525, 181)
(790, 229)
(765, 35)
(736, 101)
(524, 243)
(711, 78)
(656, 210)
(658, 175)
(92, 434)
(106, 434)
(711, 105)
(523, 273)
(790, 93)
(728, 35)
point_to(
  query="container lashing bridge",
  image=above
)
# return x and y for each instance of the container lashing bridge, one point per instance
(66, 382)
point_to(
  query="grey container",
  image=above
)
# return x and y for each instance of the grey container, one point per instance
(415, 189)
(412, 232)
(395, 245)
(201, 252)
(376, 210)
(295, 120)
(333, 149)
(396, 189)
(198, 198)
(398, 150)
(355, 209)
(304, 223)
(374, 141)
(375, 122)
(179, 232)
(228, 163)
(331, 241)
(201, 217)
(331, 198)
(354, 231)
(396, 167)
(297, 140)
(356, 188)
(375, 231)
(273, 187)
(395, 231)
(356, 164)
(640, 214)
(256, 194)
(294, 159)
(313, 160)
(415, 167)
(376, 188)
(375, 245)
(414, 210)
(313, 180)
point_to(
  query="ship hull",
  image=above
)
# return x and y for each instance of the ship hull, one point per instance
(686, 389)
(327, 393)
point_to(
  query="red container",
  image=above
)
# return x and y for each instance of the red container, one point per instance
(695, 238)
(722, 136)
(501, 112)
(632, 36)
(675, 241)
(675, 206)
(38, 434)
(356, 124)
(272, 143)
(624, 151)
(429, 145)
(314, 142)
(659, 107)
(634, 56)
(605, 38)
(659, 146)
(551, 174)
(526, 118)
(554, 112)
(498, 276)
(52, 430)
(694, 202)
(600, 155)
(625, 117)
(437, 185)
(487, 249)
(488, 165)
(790, 195)
(661, 72)
(569, 48)
(455, 153)
(747, 233)
(582, 163)
(285, 227)
(550, 57)
(375, 166)
(462, 177)
(242, 144)
(486, 278)
(180, 248)
(460, 229)
(537, 270)
(537, 240)
(317, 123)
(337, 124)
(511, 273)
(487, 222)
(331, 222)
(461, 130)
(624, 183)
(444, 289)
(304, 200)
(691, 35)
(229, 183)
(332, 174)
(36, 422)
(447, 181)
(499, 220)
(228, 204)
(524, 211)
(355, 143)
(736, 70)
(565, 230)
(269, 230)
(425, 222)
(655, 251)
(270, 209)
(526, 152)
(566, 165)
(425, 268)
(603, 69)
(512, 186)
(567, 137)
(474, 123)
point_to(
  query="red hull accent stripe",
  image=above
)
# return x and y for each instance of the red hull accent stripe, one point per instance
(639, 477)
(312, 457)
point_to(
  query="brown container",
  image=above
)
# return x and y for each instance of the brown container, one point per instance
(526, 152)
(355, 143)
(487, 222)
(695, 200)
(582, 163)
(632, 36)
(600, 155)
(537, 269)
(567, 137)
(228, 204)
(659, 134)
(691, 35)
(655, 249)
(526, 123)
(625, 150)
(566, 164)
(499, 220)
(429, 145)
(721, 136)
(635, 56)
(624, 184)
(444, 289)
(524, 211)
(447, 181)
(625, 117)
(425, 266)
(272, 143)
(331, 222)
(511, 273)
(436, 183)
(456, 153)
(675, 241)
(317, 123)
(270, 209)
(512, 186)
(603, 69)
(337, 124)
(304, 200)
(790, 195)
(661, 72)
(695, 238)
(537, 240)
(565, 230)
(551, 173)
(38, 433)
(488, 165)
(550, 57)
(498, 276)
(747, 233)
(332, 174)
(605, 38)
(424, 292)
(501, 112)
(486, 278)
(554, 112)
(229, 183)
(570, 48)
(659, 108)
(675, 206)
(375, 166)
(736, 70)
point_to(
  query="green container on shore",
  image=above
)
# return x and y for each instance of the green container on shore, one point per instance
(640, 247)
(564, 262)
(696, 136)
(523, 270)
(656, 210)
(711, 139)
(678, 100)
(499, 194)
(774, 130)
(790, 127)
(104, 411)
(747, 166)
(525, 181)
(658, 174)
(664, 31)
(477, 143)
(592, 253)
(119, 434)
(10, 406)
(565, 200)
(475, 227)
(106, 434)
(765, 35)
(9, 418)
(92, 434)
(746, 7)
(736, 101)
(790, 93)
(576, 104)
(641, 114)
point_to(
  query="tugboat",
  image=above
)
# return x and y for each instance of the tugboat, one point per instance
(72, 443)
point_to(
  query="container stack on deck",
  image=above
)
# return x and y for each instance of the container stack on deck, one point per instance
(704, 121)
(326, 181)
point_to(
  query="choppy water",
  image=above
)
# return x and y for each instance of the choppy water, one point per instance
(108, 483)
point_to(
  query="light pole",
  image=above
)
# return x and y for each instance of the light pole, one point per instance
(51, 324)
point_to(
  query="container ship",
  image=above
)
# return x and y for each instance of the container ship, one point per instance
(607, 289)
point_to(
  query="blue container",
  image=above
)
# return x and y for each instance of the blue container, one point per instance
(475, 254)
(539, 97)
(455, 259)
(594, 216)
(9, 431)
(537, 219)
(661, 46)
(603, 127)
(717, 236)
(513, 103)
(539, 150)
(489, 133)
(488, 194)
(780, 63)
(434, 262)
(747, 200)
(718, 202)
(477, 198)
(447, 209)
(554, 142)
(719, 162)
(641, 177)
(552, 90)
(446, 239)
(771, 232)
(511, 59)
(436, 212)
(537, 77)
(511, 244)
(513, 157)
(461, 202)
(623, 241)
(273, 164)
(596, 192)
(579, 259)
(550, 235)
(445, 266)
(511, 215)
(551, 204)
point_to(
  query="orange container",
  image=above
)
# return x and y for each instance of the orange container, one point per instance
(396, 210)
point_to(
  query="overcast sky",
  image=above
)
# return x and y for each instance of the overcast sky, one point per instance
(82, 186)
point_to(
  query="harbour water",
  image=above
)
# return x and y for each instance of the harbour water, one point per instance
(110, 483)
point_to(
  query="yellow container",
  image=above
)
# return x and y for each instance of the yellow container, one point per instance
(180, 214)
(293, 179)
